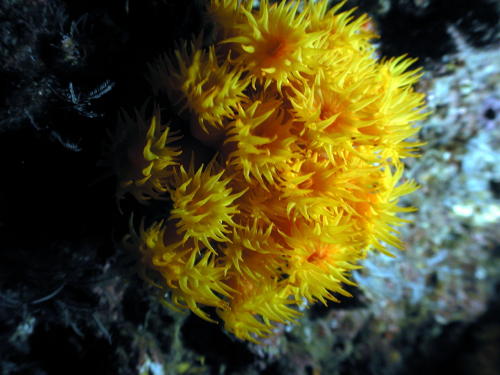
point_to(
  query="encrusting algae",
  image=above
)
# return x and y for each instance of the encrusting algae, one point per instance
(309, 129)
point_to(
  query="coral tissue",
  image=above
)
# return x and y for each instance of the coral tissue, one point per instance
(309, 128)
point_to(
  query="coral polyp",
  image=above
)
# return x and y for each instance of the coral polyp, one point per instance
(203, 206)
(143, 156)
(308, 129)
(271, 43)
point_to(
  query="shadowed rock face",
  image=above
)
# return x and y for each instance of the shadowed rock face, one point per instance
(420, 28)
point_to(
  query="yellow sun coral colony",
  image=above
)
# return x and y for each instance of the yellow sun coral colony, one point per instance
(308, 130)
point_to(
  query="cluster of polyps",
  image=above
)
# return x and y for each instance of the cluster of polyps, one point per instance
(308, 130)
